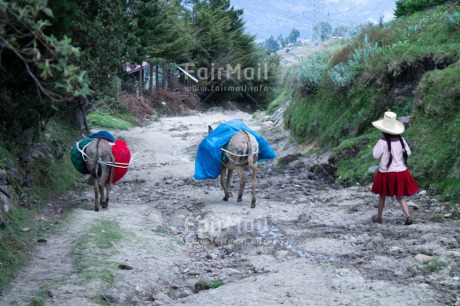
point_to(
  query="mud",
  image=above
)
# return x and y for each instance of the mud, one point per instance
(307, 242)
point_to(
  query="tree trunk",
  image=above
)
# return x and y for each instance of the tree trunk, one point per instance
(141, 82)
(83, 113)
(164, 74)
(39, 126)
(157, 80)
(151, 79)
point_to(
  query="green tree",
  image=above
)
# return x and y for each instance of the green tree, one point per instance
(282, 41)
(100, 31)
(272, 44)
(38, 73)
(322, 30)
(294, 35)
(162, 36)
(221, 47)
(342, 30)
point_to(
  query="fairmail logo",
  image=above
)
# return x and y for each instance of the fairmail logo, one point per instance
(227, 73)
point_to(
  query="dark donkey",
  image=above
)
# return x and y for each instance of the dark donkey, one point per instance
(242, 151)
(99, 156)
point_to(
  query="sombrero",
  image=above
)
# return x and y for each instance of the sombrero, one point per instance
(389, 124)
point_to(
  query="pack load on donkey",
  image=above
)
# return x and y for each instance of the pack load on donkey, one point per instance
(209, 155)
(106, 159)
(120, 152)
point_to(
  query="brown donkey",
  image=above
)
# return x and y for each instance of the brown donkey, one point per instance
(242, 151)
(99, 155)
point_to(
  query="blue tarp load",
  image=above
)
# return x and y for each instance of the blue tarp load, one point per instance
(209, 154)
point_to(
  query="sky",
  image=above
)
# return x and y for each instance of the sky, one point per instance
(273, 17)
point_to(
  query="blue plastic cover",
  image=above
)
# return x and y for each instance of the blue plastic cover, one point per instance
(209, 154)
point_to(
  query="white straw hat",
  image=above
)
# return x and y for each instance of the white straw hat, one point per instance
(389, 124)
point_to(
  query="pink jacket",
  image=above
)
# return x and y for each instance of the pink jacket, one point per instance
(381, 151)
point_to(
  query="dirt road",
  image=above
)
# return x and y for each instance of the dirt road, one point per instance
(167, 239)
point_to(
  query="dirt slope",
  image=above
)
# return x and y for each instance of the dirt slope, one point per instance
(307, 242)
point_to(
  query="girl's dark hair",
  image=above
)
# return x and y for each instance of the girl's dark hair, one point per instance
(388, 139)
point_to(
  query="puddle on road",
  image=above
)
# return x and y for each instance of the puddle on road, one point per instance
(276, 237)
(258, 234)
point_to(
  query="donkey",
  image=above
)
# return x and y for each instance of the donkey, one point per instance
(242, 151)
(99, 153)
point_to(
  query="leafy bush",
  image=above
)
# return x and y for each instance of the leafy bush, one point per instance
(408, 7)
(311, 71)
(452, 20)
(343, 74)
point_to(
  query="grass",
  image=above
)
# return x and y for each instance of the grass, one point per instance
(92, 251)
(278, 101)
(212, 285)
(37, 301)
(437, 128)
(437, 217)
(434, 265)
(15, 244)
(160, 230)
(354, 158)
(107, 121)
(48, 173)
(216, 284)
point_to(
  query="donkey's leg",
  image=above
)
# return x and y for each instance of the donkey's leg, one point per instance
(101, 191)
(96, 194)
(107, 191)
(108, 186)
(223, 172)
(106, 174)
(253, 186)
(229, 181)
(242, 176)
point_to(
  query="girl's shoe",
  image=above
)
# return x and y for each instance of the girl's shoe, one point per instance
(409, 221)
(376, 219)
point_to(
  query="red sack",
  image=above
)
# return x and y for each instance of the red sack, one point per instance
(122, 156)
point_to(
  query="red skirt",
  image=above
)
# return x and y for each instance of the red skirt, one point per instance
(399, 184)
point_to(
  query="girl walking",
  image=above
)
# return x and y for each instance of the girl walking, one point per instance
(393, 179)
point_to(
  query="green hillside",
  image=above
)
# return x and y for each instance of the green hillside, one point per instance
(411, 66)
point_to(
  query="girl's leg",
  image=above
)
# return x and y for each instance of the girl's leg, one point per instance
(378, 218)
(405, 208)
(380, 207)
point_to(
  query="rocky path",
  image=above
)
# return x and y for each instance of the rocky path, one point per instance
(167, 239)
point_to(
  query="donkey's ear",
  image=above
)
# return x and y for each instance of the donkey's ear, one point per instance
(210, 129)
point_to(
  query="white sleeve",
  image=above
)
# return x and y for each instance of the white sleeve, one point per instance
(378, 149)
(407, 147)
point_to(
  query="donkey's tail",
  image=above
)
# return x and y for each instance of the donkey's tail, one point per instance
(97, 171)
(251, 156)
